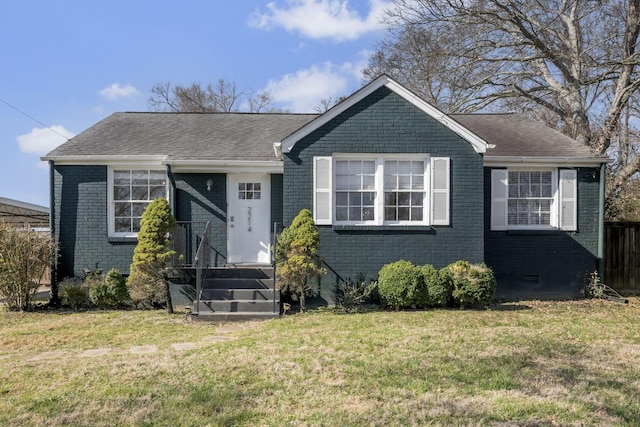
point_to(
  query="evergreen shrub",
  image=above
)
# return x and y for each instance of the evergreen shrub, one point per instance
(473, 284)
(401, 284)
(439, 285)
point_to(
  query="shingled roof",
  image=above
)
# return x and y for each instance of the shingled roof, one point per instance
(184, 136)
(516, 136)
(250, 137)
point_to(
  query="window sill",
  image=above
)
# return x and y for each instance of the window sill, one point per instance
(523, 232)
(122, 239)
(412, 228)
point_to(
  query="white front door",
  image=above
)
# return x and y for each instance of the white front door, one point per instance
(248, 218)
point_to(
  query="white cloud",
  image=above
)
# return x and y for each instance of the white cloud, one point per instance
(302, 91)
(319, 19)
(116, 91)
(42, 140)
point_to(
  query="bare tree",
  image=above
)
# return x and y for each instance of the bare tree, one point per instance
(572, 63)
(221, 97)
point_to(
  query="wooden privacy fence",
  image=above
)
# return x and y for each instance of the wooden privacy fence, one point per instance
(621, 263)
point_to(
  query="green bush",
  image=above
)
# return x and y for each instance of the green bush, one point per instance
(400, 284)
(473, 284)
(74, 293)
(107, 291)
(297, 261)
(439, 285)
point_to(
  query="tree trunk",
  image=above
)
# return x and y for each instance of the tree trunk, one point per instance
(167, 290)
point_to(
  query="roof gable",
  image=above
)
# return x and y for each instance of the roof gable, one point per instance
(478, 144)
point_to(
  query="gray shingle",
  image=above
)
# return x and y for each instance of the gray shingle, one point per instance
(515, 135)
(247, 136)
(185, 136)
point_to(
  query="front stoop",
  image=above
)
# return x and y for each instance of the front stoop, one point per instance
(238, 293)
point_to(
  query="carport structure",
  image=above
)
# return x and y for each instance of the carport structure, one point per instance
(19, 214)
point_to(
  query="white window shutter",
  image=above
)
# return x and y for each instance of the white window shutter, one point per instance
(568, 200)
(499, 198)
(440, 190)
(322, 197)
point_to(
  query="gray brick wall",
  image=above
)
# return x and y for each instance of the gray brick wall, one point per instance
(195, 203)
(81, 227)
(385, 123)
(540, 264)
(81, 217)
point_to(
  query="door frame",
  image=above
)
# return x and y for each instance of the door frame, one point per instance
(233, 178)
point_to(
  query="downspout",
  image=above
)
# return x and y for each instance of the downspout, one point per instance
(54, 300)
(172, 191)
(603, 171)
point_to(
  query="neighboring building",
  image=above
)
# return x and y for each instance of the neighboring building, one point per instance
(386, 175)
(20, 214)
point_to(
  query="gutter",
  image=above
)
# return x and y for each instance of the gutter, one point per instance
(172, 191)
(54, 300)
(544, 161)
(603, 172)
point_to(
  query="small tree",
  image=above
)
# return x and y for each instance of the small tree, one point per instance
(149, 273)
(25, 254)
(297, 258)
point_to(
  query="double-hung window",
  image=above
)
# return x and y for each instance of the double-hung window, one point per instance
(355, 190)
(533, 199)
(130, 192)
(387, 189)
(404, 194)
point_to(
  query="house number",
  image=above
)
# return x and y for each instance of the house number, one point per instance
(249, 218)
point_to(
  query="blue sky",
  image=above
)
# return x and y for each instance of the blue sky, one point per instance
(68, 64)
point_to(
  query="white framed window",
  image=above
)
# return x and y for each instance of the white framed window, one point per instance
(533, 199)
(355, 190)
(388, 189)
(130, 192)
(404, 195)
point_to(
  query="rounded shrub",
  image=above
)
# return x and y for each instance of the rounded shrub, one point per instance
(107, 291)
(473, 284)
(74, 293)
(400, 284)
(439, 285)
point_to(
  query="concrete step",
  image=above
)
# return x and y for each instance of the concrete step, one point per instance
(237, 283)
(231, 306)
(238, 294)
(237, 316)
(265, 272)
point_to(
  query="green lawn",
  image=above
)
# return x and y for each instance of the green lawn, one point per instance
(529, 363)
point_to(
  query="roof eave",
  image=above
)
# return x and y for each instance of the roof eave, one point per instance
(544, 161)
(106, 159)
(225, 166)
(478, 144)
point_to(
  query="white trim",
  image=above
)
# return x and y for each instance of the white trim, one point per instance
(225, 166)
(110, 202)
(541, 162)
(446, 191)
(478, 144)
(108, 160)
(568, 177)
(379, 188)
(328, 190)
(499, 202)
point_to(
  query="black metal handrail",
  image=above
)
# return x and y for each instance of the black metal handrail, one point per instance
(277, 229)
(186, 238)
(201, 262)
